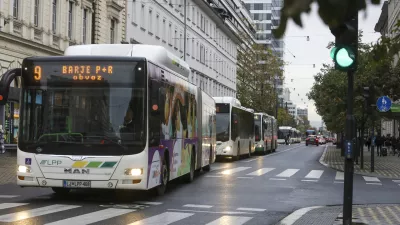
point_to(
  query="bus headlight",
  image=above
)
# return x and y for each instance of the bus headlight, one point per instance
(134, 172)
(259, 146)
(24, 169)
(227, 148)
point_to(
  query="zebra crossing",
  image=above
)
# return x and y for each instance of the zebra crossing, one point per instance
(276, 174)
(26, 212)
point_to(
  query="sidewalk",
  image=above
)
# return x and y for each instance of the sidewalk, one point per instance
(385, 167)
(8, 167)
(332, 215)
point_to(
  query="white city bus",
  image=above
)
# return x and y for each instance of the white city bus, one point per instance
(235, 128)
(112, 116)
(295, 136)
(283, 132)
(266, 133)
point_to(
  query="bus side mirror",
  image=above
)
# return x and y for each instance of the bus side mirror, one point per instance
(5, 82)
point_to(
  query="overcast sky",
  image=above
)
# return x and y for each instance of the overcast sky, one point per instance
(307, 53)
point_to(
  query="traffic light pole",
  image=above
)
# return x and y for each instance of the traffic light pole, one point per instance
(349, 161)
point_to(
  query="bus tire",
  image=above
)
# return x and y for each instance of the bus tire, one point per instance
(60, 190)
(208, 167)
(190, 176)
(249, 151)
(160, 189)
(237, 157)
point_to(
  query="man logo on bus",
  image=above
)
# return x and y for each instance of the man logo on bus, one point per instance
(76, 171)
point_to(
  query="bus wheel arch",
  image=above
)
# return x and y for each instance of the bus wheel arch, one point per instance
(160, 189)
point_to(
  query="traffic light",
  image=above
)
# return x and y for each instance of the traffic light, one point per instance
(344, 54)
(369, 98)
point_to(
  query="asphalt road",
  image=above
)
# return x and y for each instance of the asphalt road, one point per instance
(256, 190)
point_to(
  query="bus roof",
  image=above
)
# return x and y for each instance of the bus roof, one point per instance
(228, 100)
(154, 53)
(265, 114)
(285, 127)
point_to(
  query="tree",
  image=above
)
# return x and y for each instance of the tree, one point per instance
(285, 119)
(332, 13)
(258, 67)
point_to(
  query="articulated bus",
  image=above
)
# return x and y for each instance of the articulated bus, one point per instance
(266, 133)
(235, 128)
(283, 133)
(111, 116)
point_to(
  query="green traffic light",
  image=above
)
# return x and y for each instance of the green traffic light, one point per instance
(344, 58)
(333, 52)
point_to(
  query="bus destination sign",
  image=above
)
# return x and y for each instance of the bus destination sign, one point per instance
(80, 72)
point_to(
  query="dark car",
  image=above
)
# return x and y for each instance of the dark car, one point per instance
(312, 140)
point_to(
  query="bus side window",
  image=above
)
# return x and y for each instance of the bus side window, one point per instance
(155, 115)
(235, 126)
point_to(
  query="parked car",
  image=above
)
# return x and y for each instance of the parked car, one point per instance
(312, 140)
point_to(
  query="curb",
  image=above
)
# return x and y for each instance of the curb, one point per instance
(296, 215)
(321, 160)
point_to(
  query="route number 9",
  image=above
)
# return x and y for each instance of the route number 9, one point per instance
(37, 73)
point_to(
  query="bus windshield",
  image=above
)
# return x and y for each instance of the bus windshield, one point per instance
(257, 128)
(283, 133)
(223, 126)
(70, 117)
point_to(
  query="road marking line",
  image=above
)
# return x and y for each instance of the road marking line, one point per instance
(375, 183)
(396, 181)
(288, 173)
(339, 175)
(218, 168)
(198, 206)
(11, 205)
(13, 217)
(163, 218)
(235, 170)
(310, 180)
(260, 172)
(148, 203)
(214, 212)
(338, 182)
(371, 179)
(245, 177)
(92, 217)
(314, 174)
(293, 217)
(275, 153)
(251, 209)
(213, 176)
(231, 220)
(362, 215)
(9, 196)
(277, 178)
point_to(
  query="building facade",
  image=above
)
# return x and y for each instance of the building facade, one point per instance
(266, 16)
(47, 27)
(302, 112)
(213, 31)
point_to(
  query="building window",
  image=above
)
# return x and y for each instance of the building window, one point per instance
(16, 9)
(36, 13)
(70, 9)
(170, 34)
(157, 25)
(150, 21)
(54, 17)
(142, 16)
(84, 27)
(181, 39)
(112, 31)
(176, 39)
(164, 34)
(193, 14)
(202, 55)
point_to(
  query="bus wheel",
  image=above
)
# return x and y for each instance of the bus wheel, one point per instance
(61, 191)
(208, 167)
(236, 158)
(190, 176)
(160, 189)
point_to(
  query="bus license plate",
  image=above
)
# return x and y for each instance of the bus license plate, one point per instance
(77, 184)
